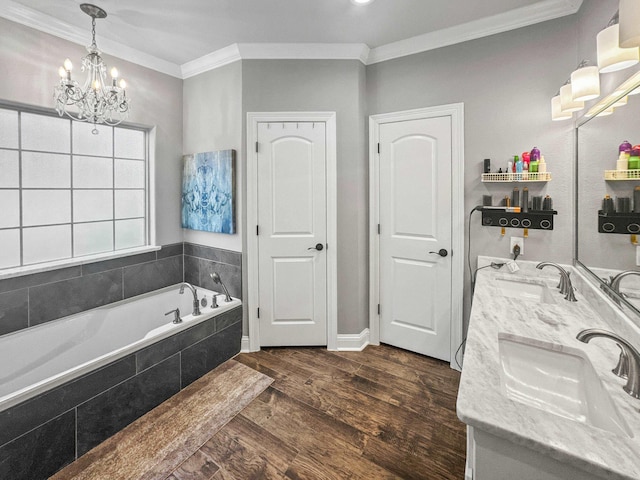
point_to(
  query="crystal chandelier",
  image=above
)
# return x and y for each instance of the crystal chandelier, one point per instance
(97, 101)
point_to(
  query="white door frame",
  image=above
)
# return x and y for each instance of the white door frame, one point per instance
(329, 119)
(456, 112)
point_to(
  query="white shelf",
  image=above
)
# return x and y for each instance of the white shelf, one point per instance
(517, 177)
(622, 175)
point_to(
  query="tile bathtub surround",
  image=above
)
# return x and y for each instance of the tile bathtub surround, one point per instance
(74, 417)
(200, 261)
(30, 300)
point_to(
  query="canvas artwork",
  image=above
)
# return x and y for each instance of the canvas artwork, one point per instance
(208, 196)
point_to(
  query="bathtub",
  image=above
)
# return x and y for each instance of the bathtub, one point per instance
(42, 357)
(67, 385)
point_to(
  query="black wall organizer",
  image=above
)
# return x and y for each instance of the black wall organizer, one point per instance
(626, 223)
(535, 219)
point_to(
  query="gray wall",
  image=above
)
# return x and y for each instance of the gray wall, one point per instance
(506, 82)
(327, 85)
(30, 61)
(213, 121)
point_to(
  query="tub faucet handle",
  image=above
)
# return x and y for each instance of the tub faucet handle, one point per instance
(176, 317)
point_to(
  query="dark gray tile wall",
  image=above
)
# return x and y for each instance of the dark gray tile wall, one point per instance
(200, 261)
(42, 435)
(30, 300)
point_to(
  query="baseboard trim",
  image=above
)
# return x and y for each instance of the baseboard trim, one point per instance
(244, 344)
(353, 342)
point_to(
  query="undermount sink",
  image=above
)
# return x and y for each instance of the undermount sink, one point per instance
(557, 379)
(528, 291)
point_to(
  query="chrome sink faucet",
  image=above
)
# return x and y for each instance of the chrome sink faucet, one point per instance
(565, 286)
(615, 281)
(196, 302)
(629, 355)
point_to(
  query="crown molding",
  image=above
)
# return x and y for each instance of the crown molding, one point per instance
(517, 18)
(211, 61)
(305, 51)
(32, 18)
(503, 22)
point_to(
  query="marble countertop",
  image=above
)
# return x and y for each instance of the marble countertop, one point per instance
(482, 405)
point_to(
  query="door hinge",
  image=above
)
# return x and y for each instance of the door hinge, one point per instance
(378, 229)
(257, 229)
(258, 312)
(378, 309)
(378, 148)
(256, 147)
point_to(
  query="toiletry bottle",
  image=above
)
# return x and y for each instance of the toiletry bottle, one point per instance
(509, 170)
(622, 165)
(525, 166)
(518, 164)
(487, 165)
(534, 155)
(625, 147)
(542, 166)
(533, 166)
(634, 159)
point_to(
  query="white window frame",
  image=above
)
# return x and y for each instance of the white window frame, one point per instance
(149, 214)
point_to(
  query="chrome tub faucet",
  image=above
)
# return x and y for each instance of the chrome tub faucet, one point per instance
(196, 302)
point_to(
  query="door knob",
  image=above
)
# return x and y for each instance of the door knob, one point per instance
(442, 252)
(318, 247)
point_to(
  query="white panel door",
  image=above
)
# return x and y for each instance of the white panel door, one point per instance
(292, 234)
(415, 221)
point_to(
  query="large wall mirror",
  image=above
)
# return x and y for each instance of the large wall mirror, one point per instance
(608, 231)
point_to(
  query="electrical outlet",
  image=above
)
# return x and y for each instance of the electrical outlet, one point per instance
(638, 256)
(516, 241)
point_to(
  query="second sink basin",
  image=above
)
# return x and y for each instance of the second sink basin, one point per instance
(528, 291)
(557, 379)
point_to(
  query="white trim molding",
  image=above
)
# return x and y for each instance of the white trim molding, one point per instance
(253, 119)
(456, 112)
(520, 17)
(244, 344)
(353, 342)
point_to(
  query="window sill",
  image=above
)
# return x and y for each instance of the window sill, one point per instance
(72, 262)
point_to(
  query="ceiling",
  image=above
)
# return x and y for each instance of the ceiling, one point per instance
(164, 34)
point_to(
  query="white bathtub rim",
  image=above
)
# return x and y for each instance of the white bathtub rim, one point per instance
(54, 381)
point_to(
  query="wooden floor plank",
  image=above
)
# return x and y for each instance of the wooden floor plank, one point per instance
(198, 466)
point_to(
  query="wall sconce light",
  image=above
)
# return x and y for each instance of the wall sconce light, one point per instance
(611, 57)
(567, 103)
(556, 111)
(629, 23)
(585, 83)
(621, 102)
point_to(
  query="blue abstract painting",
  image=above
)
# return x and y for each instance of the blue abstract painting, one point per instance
(208, 191)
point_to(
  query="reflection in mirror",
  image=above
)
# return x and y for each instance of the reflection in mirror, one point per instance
(608, 231)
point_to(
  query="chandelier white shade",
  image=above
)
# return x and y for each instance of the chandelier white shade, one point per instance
(556, 111)
(98, 100)
(567, 103)
(611, 57)
(629, 23)
(585, 84)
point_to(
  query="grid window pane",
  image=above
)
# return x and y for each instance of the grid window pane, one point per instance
(46, 207)
(9, 248)
(45, 244)
(86, 143)
(44, 133)
(129, 174)
(129, 233)
(65, 192)
(92, 205)
(92, 172)
(90, 238)
(8, 128)
(10, 209)
(129, 143)
(129, 203)
(9, 168)
(45, 170)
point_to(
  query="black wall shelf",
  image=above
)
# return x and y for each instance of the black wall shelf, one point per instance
(534, 219)
(622, 223)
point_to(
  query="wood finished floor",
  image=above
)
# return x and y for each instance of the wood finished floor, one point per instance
(377, 414)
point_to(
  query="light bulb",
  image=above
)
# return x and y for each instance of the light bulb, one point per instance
(123, 84)
(114, 72)
(68, 66)
(96, 85)
(62, 72)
